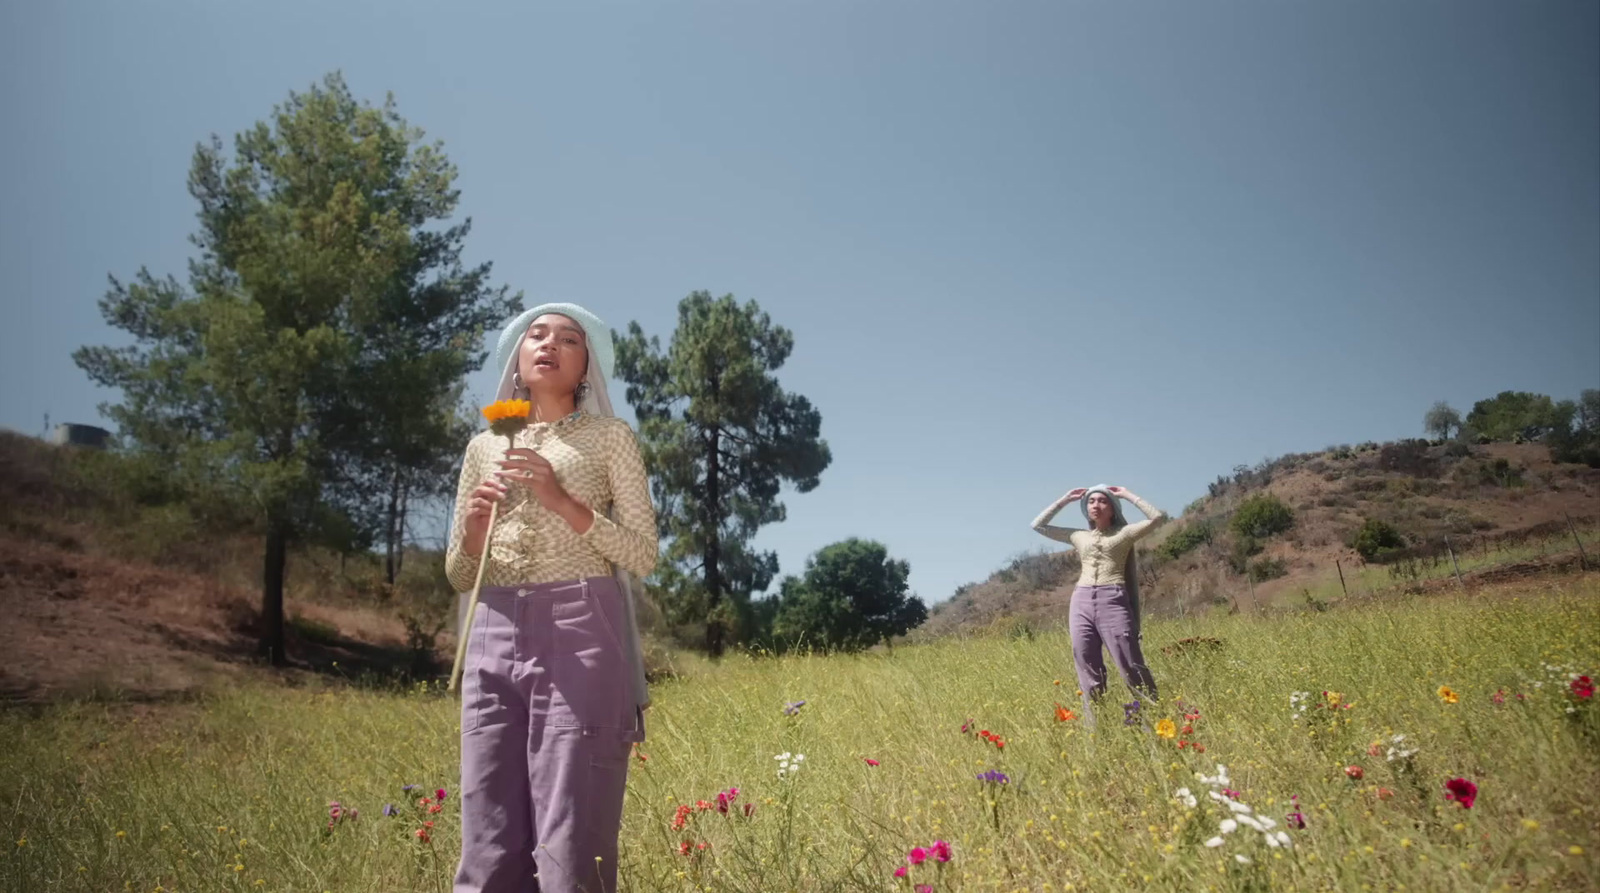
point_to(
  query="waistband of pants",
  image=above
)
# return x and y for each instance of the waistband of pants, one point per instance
(560, 591)
(1100, 588)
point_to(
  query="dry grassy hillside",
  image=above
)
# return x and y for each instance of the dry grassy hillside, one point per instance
(1503, 507)
(107, 591)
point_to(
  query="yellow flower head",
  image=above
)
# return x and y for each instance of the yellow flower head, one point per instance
(507, 417)
(1166, 728)
(1333, 697)
(1448, 694)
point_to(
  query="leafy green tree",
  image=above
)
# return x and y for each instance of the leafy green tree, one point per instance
(852, 596)
(1261, 516)
(1510, 413)
(720, 437)
(310, 373)
(1440, 420)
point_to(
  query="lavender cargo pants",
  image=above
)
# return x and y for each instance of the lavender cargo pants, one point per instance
(547, 720)
(1104, 615)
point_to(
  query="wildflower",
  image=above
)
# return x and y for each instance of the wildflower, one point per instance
(1575, 850)
(1130, 713)
(1583, 687)
(917, 856)
(788, 763)
(940, 851)
(435, 809)
(640, 755)
(1296, 820)
(901, 871)
(1064, 715)
(1214, 842)
(1448, 694)
(423, 835)
(440, 795)
(1461, 791)
(1166, 728)
(792, 708)
(1241, 858)
(1499, 696)
(1530, 824)
(390, 810)
(1384, 793)
(924, 888)
(1397, 749)
(684, 847)
(749, 810)
(1185, 797)
(507, 417)
(966, 727)
(870, 761)
(1355, 772)
(1334, 698)
(995, 776)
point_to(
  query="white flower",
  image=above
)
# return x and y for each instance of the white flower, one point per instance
(1236, 806)
(1271, 841)
(1186, 798)
(798, 757)
(1228, 826)
(1282, 838)
(1266, 823)
(1214, 842)
(1250, 821)
(1241, 859)
(782, 756)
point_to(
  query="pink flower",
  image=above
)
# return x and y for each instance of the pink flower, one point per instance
(440, 795)
(1461, 791)
(870, 761)
(1583, 687)
(941, 851)
(924, 888)
(918, 855)
(900, 872)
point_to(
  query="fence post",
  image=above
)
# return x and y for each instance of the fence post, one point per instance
(1343, 588)
(1582, 557)
(1453, 562)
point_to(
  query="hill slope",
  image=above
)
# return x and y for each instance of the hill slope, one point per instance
(1494, 501)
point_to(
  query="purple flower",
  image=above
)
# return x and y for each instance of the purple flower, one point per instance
(793, 707)
(994, 775)
(1130, 714)
(409, 787)
(389, 810)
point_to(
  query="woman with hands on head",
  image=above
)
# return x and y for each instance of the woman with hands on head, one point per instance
(1105, 602)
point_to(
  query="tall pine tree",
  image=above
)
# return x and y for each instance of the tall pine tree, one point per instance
(311, 371)
(720, 438)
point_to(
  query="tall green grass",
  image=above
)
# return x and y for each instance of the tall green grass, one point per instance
(232, 792)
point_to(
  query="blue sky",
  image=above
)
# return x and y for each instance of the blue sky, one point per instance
(1022, 246)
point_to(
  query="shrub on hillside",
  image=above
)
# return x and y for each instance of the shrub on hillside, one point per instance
(1408, 457)
(1185, 539)
(1244, 548)
(1261, 516)
(1265, 569)
(1376, 538)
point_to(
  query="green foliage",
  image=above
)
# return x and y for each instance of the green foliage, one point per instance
(309, 374)
(1261, 516)
(1265, 569)
(1185, 539)
(1375, 538)
(243, 776)
(720, 437)
(852, 596)
(1512, 413)
(1580, 443)
(1440, 420)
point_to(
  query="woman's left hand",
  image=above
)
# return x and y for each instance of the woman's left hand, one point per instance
(524, 466)
(1118, 491)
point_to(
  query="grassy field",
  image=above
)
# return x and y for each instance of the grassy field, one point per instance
(233, 792)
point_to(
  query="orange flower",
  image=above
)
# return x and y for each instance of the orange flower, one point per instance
(1355, 772)
(1064, 715)
(507, 417)
(1384, 793)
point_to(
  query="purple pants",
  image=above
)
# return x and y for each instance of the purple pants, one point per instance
(547, 721)
(1104, 615)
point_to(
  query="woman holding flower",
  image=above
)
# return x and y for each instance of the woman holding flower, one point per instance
(1105, 603)
(553, 687)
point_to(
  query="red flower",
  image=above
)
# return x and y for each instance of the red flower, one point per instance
(940, 851)
(749, 810)
(1461, 791)
(1385, 793)
(870, 761)
(435, 808)
(1355, 772)
(702, 805)
(1200, 748)
(440, 795)
(1583, 687)
(703, 845)
(1188, 730)
(900, 872)
(683, 848)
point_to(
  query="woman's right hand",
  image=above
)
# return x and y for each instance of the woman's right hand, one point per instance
(1076, 494)
(476, 526)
